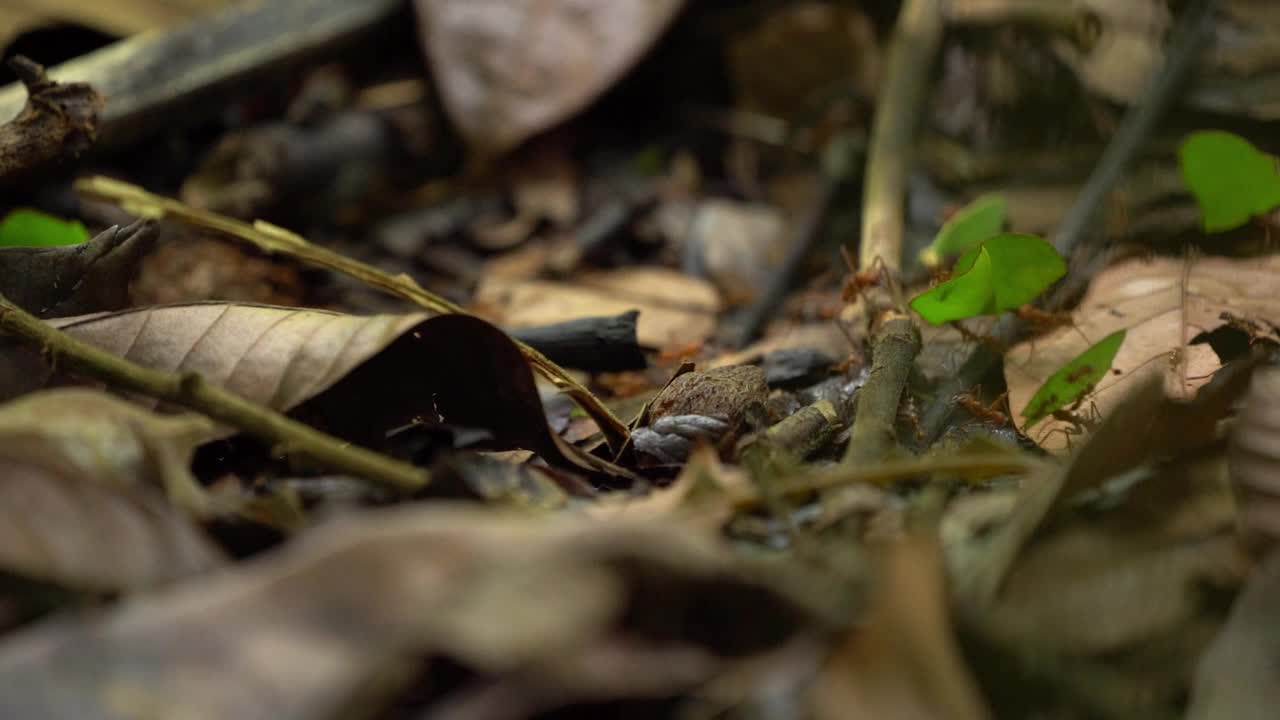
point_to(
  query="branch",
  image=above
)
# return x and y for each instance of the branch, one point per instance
(192, 391)
(276, 240)
(58, 122)
(892, 354)
(915, 44)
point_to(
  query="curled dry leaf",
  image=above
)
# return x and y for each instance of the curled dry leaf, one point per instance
(356, 377)
(76, 279)
(531, 603)
(80, 504)
(508, 69)
(1164, 305)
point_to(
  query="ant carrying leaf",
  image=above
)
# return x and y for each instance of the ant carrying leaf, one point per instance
(1074, 380)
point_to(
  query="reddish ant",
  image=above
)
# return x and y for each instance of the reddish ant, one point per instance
(986, 413)
(1075, 423)
(860, 280)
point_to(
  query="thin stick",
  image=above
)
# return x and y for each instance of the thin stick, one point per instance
(916, 39)
(272, 239)
(190, 390)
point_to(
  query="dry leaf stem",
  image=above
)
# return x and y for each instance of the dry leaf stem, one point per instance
(893, 352)
(916, 40)
(191, 391)
(276, 240)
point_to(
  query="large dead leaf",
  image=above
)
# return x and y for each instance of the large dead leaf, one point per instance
(903, 661)
(80, 504)
(675, 309)
(72, 280)
(1164, 305)
(549, 610)
(275, 356)
(1238, 677)
(358, 377)
(508, 69)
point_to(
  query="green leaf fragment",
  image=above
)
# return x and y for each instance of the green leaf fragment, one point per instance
(1231, 179)
(32, 228)
(1073, 380)
(1003, 273)
(977, 221)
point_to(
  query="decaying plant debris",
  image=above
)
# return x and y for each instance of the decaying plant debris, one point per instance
(602, 388)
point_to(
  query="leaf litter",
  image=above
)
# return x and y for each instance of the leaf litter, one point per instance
(735, 550)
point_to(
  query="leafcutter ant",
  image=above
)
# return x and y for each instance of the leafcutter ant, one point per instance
(986, 413)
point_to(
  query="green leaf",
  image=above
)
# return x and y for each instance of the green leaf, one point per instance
(1003, 273)
(977, 221)
(1231, 179)
(32, 228)
(1023, 267)
(1073, 380)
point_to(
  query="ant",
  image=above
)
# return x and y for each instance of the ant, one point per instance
(907, 411)
(1075, 423)
(986, 413)
(860, 280)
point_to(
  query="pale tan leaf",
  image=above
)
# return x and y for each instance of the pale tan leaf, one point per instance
(80, 499)
(294, 635)
(508, 69)
(275, 356)
(1238, 677)
(675, 309)
(902, 661)
(1146, 298)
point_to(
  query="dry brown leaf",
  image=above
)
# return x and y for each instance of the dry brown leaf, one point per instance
(675, 309)
(1238, 677)
(902, 662)
(275, 356)
(508, 69)
(354, 377)
(543, 601)
(80, 504)
(1146, 297)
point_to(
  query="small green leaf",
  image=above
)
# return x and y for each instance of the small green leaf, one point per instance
(977, 221)
(1231, 179)
(1003, 273)
(1073, 380)
(1023, 266)
(32, 228)
(964, 296)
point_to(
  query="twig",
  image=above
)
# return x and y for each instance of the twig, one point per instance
(1187, 41)
(192, 391)
(770, 299)
(916, 39)
(57, 121)
(155, 78)
(276, 240)
(892, 354)
(594, 344)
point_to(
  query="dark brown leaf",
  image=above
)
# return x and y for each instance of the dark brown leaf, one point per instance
(77, 279)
